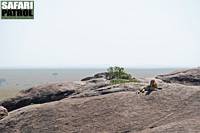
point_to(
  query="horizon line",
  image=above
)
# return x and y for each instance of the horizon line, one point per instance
(13, 68)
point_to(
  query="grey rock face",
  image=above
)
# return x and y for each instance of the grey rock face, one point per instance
(186, 77)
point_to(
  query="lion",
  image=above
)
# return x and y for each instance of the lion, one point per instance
(152, 87)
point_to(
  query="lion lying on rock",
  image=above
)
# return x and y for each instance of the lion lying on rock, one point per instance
(152, 87)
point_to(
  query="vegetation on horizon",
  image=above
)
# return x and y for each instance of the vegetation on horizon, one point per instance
(119, 75)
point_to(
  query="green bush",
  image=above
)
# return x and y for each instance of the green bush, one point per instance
(119, 75)
(125, 76)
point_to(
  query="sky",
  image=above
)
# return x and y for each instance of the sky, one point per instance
(103, 33)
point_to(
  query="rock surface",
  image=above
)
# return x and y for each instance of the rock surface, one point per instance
(186, 77)
(53, 92)
(39, 94)
(3, 112)
(104, 75)
(95, 106)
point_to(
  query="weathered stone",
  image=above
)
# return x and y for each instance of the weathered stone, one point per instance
(87, 78)
(39, 94)
(186, 77)
(104, 75)
(173, 109)
(3, 112)
(96, 106)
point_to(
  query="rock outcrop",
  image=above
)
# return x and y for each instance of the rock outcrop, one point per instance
(104, 75)
(38, 95)
(54, 92)
(186, 77)
(173, 109)
(96, 106)
(3, 112)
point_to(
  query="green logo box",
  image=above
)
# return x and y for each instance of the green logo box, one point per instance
(17, 9)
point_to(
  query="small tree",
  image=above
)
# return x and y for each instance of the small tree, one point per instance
(118, 73)
(111, 72)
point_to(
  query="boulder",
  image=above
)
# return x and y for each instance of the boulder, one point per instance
(96, 80)
(52, 92)
(104, 75)
(3, 112)
(40, 94)
(87, 78)
(186, 77)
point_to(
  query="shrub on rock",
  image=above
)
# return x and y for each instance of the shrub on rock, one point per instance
(119, 75)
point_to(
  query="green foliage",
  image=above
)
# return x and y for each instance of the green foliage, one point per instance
(119, 75)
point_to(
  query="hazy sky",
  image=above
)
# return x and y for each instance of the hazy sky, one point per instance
(102, 33)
